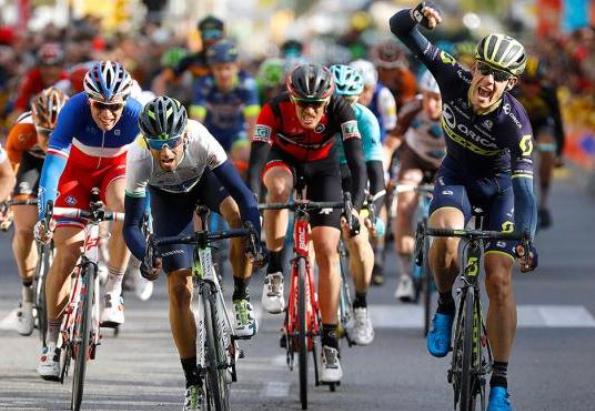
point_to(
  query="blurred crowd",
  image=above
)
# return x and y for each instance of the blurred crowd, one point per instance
(55, 54)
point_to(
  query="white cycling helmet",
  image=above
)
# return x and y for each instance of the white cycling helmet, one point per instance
(367, 70)
(427, 82)
(107, 80)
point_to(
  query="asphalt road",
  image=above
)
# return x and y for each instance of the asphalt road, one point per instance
(552, 366)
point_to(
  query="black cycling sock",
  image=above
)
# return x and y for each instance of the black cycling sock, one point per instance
(446, 304)
(360, 300)
(190, 371)
(275, 262)
(240, 290)
(329, 335)
(499, 371)
(28, 282)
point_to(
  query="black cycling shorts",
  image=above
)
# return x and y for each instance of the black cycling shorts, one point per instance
(322, 179)
(27, 179)
(172, 216)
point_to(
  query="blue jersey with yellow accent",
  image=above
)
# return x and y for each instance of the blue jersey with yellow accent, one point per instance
(370, 131)
(225, 110)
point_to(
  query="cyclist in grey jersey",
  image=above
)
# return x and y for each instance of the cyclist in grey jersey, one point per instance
(488, 163)
(181, 164)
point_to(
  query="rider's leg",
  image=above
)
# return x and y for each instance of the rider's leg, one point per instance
(326, 240)
(502, 315)
(279, 183)
(278, 180)
(546, 146)
(23, 247)
(119, 253)
(361, 262)
(68, 241)
(411, 174)
(181, 319)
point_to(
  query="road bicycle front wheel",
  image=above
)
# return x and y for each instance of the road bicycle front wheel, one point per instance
(82, 333)
(471, 331)
(428, 284)
(217, 386)
(302, 332)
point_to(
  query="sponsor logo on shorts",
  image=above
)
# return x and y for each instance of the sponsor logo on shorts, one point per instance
(447, 192)
(172, 252)
(325, 211)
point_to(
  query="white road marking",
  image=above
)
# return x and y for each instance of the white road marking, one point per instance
(276, 389)
(530, 316)
(10, 321)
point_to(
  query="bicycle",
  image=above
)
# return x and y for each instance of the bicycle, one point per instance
(302, 322)
(471, 352)
(420, 271)
(216, 340)
(80, 330)
(44, 256)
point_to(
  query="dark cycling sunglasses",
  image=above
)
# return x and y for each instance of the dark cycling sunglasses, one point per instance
(113, 107)
(486, 70)
(315, 104)
(155, 144)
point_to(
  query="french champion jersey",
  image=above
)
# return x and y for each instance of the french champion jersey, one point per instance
(201, 150)
(370, 131)
(384, 107)
(77, 129)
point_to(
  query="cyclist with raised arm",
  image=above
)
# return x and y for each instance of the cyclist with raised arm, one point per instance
(181, 163)
(349, 83)
(421, 154)
(295, 136)
(226, 101)
(26, 145)
(488, 164)
(87, 149)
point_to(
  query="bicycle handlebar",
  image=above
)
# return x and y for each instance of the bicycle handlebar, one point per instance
(475, 234)
(203, 237)
(96, 216)
(422, 188)
(305, 205)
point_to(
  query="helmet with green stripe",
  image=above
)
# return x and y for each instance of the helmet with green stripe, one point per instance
(502, 52)
(163, 118)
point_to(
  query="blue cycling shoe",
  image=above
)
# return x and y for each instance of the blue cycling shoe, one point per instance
(439, 337)
(499, 400)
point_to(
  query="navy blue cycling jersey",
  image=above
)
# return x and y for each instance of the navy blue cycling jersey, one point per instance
(225, 112)
(478, 145)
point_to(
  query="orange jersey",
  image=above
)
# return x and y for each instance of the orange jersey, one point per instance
(21, 137)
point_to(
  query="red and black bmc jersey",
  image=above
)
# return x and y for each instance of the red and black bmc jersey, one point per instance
(279, 126)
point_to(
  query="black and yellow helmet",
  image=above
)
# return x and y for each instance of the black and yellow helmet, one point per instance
(502, 52)
(163, 118)
(534, 70)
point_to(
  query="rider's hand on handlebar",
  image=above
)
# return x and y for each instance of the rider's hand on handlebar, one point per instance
(43, 233)
(427, 15)
(527, 258)
(151, 270)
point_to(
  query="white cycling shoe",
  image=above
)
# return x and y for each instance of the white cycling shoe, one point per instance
(49, 363)
(245, 320)
(272, 293)
(362, 332)
(112, 313)
(25, 322)
(331, 370)
(193, 398)
(406, 289)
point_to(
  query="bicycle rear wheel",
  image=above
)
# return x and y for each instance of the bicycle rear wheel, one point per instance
(468, 376)
(217, 388)
(82, 333)
(302, 332)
